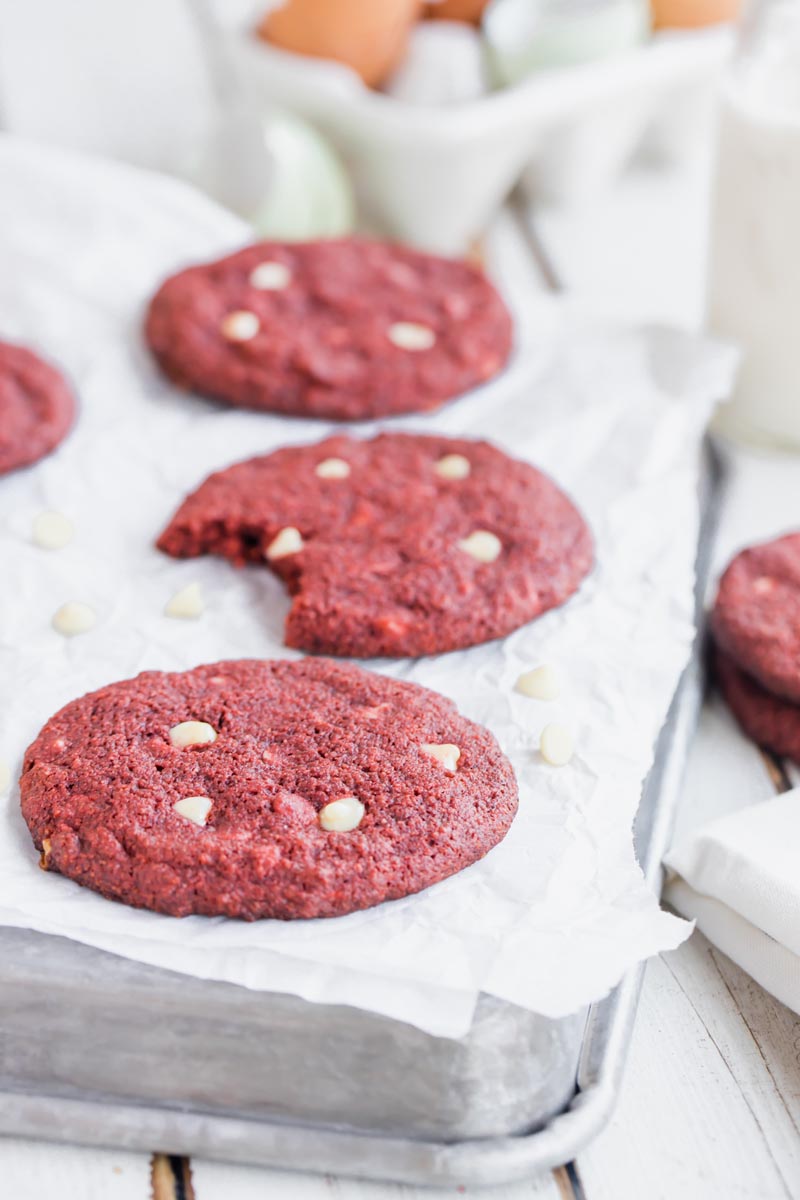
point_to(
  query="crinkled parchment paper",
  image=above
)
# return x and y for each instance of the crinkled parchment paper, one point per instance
(551, 918)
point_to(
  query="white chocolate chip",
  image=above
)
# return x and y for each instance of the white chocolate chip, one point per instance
(482, 545)
(763, 585)
(340, 816)
(240, 326)
(187, 604)
(74, 618)
(44, 857)
(556, 745)
(542, 683)
(288, 541)
(5, 776)
(408, 335)
(192, 733)
(52, 530)
(453, 466)
(270, 276)
(446, 753)
(194, 808)
(332, 468)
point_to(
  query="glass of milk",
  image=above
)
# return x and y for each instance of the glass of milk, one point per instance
(754, 280)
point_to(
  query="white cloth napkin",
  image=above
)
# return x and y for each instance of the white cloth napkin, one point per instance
(739, 878)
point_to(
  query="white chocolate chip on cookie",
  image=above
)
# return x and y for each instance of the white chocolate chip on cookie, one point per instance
(187, 604)
(556, 745)
(52, 530)
(74, 618)
(453, 466)
(270, 277)
(408, 335)
(192, 733)
(482, 545)
(194, 808)
(542, 683)
(240, 326)
(332, 468)
(445, 752)
(288, 541)
(341, 816)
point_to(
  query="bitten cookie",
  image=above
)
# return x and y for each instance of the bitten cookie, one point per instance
(264, 789)
(402, 545)
(770, 721)
(37, 408)
(756, 617)
(346, 329)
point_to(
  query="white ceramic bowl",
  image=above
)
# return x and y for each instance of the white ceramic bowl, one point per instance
(434, 176)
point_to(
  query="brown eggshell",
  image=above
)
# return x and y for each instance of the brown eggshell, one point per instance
(457, 10)
(692, 14)
(368, 35)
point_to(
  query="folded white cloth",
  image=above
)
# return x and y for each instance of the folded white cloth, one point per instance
(739, 878)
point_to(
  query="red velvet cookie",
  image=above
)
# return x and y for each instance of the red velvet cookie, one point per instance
(756, 617)
(298, 789)
(36, 408)
(345, 329)
(402, 545)
(770, 721)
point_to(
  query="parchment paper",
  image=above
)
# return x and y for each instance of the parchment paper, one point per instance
(551, 918)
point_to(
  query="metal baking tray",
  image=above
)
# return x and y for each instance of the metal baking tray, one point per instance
(102, 1050)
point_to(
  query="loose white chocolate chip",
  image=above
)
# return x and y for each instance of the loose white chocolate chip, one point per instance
(453, 466)
(187, 604)
(340, 816)
(407, 335)
(240, 326)
(482, 545)
(5, 777)
(446, 753)
(52, 530)
(270, 276)
(542, 683)
(74, 618)
(194, 808)
(288, 541)
(556, 745)
(332, 468)
(192, 733)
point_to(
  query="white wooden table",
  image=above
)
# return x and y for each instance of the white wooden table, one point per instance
(710, 1106)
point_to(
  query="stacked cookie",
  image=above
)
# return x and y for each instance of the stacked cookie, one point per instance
(756, 628)
(256, 789)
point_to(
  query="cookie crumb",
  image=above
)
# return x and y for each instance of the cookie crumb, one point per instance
(408, 335)
(287, 541)
(556, 745)
(453, 466)
(194, 808)
(482, 545)
(187, 604)
(192, 733)
(240, 326)
(74, 618)
(542, 683)
(52, 530)
(332, 468)
(270, 277)
(445, 752)
(341, 816)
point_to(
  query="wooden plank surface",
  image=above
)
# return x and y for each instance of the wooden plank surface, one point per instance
(215, 1181)
(45, 1171)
